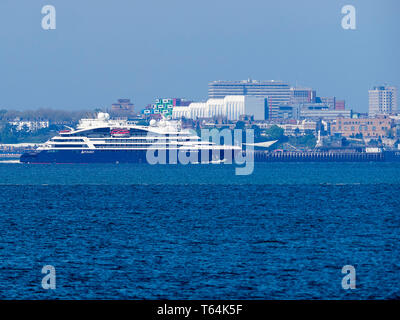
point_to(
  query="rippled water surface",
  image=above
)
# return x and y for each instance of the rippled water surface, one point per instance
(200, 231)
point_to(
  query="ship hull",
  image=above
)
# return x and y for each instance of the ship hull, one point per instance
(140, 156)
(114, 156)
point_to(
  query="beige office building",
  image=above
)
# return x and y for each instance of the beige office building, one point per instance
(382, 100)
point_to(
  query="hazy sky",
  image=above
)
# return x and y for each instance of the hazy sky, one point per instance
(104, 50)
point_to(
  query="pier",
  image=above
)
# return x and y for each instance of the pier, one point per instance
(317, 156)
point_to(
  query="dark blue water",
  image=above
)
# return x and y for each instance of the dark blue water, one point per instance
(200, 232)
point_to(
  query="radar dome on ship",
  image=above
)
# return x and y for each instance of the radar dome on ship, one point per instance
(153, 122)
(103, 116)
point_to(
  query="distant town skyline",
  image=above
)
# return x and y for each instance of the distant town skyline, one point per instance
(101, 52)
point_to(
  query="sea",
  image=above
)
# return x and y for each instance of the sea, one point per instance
(139, 231)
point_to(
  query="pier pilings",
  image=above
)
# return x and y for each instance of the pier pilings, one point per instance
(316, 156)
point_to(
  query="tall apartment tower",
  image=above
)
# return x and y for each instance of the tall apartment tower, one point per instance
(276, 92)
(382, 100)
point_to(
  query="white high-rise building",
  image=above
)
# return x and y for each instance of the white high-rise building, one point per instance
(382, 100)
(229, 107)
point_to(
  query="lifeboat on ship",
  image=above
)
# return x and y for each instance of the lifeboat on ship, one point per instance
(120, 132)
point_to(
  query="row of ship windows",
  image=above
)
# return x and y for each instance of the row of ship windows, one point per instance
(143, 140)
(119, 151)
(108, 145)
(129, 145)
(123, 140)
(67, 140)
(104, 133)
(80, 151)
(69, 146)
(135, 141)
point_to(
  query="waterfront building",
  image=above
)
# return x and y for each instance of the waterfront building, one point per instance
(300, 95)
(292, 127)
(123, 107)
(322, 111)
(18, 147)
(379, 126)
(329, 101)
(289, 111)
(300, 127)
(277, 92)
(340, 105)
(180, 102)
(29, 125)
(229, 107)
(382, 100)
(162, 106)
(357, 115)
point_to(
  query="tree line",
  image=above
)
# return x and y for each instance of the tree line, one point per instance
(43, 114)
(9, 133)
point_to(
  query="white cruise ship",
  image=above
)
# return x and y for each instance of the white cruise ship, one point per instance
(105, 140)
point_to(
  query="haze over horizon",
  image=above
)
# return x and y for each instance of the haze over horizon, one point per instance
(100, 52)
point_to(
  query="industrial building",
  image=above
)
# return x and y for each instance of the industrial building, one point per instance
(229, 107)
